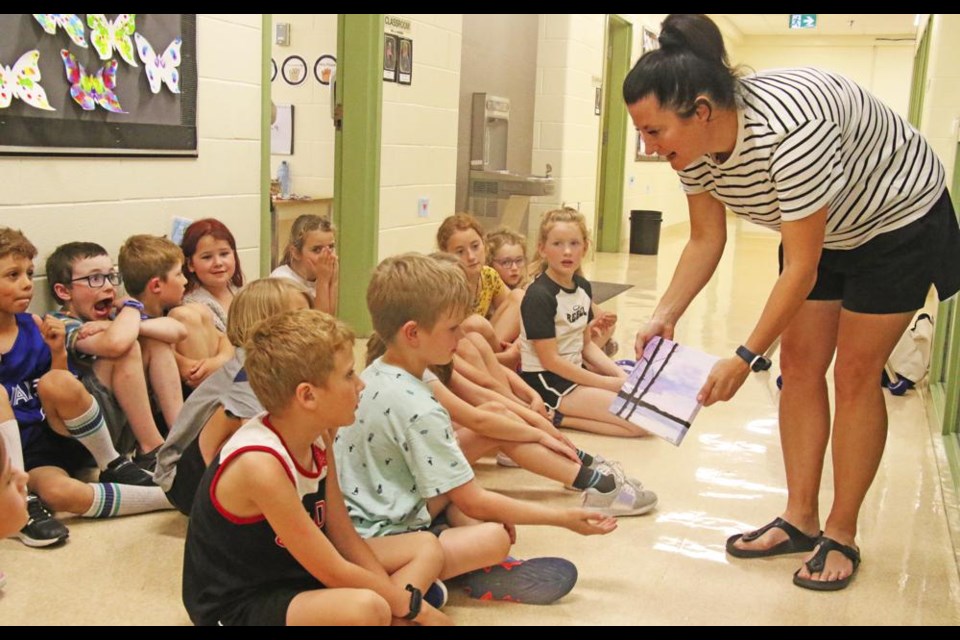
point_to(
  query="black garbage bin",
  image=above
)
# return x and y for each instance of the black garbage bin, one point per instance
(645, 231)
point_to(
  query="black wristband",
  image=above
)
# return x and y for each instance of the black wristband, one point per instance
(416, 602)
(755, 362)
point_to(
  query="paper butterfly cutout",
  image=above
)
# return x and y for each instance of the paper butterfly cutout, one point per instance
(160, 69)
(107, 36)
(88, 91)
(69, 22)
(22, 80)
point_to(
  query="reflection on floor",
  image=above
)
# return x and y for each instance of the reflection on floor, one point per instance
(665, 568)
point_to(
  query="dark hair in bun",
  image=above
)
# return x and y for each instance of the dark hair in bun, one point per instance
(691, 62)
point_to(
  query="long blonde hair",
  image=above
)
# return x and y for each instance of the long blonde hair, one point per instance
(303, 225)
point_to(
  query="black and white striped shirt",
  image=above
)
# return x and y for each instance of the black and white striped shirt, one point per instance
(808, 138)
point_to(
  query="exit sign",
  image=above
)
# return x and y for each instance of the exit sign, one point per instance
(803, 20)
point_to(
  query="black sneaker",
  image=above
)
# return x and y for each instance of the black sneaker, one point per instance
(147, 461)
(122, 471)
(42, 529)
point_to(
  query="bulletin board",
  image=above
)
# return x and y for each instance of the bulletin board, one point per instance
(98, 84)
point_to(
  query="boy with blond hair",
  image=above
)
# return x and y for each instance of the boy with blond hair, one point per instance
(152, 271)
(102, 338)
(269, 540)
(52, 426)
(401, 466)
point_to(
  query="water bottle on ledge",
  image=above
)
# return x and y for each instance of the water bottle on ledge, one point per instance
(283, 175)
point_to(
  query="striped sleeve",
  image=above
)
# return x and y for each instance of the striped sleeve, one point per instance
(695, 178)
(807, 169)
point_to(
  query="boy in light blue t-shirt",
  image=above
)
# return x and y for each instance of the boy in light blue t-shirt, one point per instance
(401, 464)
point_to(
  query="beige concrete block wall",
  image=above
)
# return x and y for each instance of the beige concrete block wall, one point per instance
(648, 185)
(566, 131)
(418, 153)
(881, 67)
(311, 165)
(105, 200)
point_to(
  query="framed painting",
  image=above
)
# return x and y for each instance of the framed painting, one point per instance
(98, 84)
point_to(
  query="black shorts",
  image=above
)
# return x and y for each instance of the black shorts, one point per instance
(190, 469)
(44, 447)
(892, 272)
(267, 608)
(549, 386)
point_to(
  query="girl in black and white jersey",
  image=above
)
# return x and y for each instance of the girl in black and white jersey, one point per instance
(555, 334)
(866, 226)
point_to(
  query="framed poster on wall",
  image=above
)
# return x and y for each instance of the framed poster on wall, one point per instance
(389, 57)
(651, 40)
(98, 84)
(405, 61)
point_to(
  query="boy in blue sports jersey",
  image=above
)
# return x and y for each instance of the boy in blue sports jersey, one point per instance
(56, 427)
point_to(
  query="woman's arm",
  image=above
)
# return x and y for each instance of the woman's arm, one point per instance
(708, 235)
(802, 245)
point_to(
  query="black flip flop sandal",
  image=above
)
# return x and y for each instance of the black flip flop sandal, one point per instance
(819, 561)
(797, 542)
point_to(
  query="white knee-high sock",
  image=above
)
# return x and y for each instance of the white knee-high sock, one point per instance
(111, 500)
(90, 430)
(10, 432)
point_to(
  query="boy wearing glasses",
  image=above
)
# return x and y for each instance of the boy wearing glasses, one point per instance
(102, 340)
(51, 425)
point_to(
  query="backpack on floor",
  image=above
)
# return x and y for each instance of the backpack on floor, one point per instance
(910, 359)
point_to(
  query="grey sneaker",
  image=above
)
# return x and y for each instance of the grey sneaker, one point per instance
(628, 499)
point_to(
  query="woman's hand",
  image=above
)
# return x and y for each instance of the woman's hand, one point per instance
(726, 377)
(652, 328)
